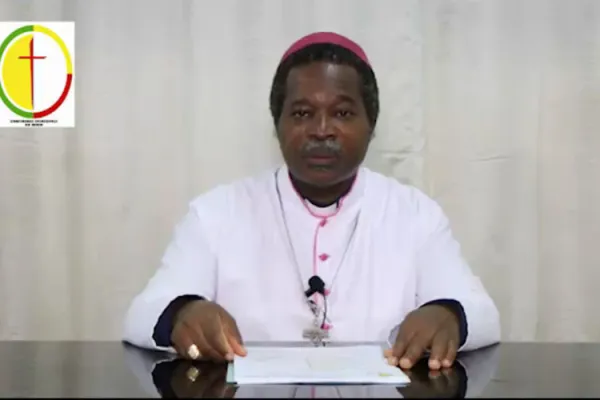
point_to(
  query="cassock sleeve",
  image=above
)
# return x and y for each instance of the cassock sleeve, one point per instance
(188, 268)
(443, 274)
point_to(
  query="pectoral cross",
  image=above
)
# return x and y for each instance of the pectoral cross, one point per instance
(316, 335)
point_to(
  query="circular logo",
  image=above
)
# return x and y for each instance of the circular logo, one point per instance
(36, 71)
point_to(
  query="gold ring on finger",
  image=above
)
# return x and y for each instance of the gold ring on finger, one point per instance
(193, 352)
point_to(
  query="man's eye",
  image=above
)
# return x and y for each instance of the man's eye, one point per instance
(300, 113)
(345, 113)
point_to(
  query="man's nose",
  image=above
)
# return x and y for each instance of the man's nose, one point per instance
(323, 128)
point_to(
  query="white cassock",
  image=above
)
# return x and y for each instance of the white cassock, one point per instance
(252, 246)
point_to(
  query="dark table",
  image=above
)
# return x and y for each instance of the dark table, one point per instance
(113, 369)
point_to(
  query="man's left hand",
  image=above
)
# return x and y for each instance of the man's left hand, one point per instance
(433, 328)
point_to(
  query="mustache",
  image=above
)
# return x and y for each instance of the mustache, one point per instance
(321, 148)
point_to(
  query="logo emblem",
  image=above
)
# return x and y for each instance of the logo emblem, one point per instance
(37, 74)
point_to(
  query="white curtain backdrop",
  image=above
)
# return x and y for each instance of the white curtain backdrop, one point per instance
(490, 106)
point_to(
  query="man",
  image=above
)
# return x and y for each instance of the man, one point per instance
(320, 247)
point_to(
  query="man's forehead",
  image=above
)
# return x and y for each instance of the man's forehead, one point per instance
(323, 77)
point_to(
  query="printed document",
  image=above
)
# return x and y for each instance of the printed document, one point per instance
(315, 365)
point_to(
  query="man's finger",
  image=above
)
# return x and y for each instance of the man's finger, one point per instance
(401, 345)
(234, 338)
(450, 357)
(439, 349)
(216, 339)
(413, 352)
(204, 341)
(388, 354)
(183, 342)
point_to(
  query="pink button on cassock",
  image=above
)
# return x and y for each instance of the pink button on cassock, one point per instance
(323, 257)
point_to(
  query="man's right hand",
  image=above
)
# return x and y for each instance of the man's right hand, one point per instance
(204, 330)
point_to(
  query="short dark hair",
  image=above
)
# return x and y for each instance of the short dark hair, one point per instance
(328, 53)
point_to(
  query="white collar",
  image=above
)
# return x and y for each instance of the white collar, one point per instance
(290, 197)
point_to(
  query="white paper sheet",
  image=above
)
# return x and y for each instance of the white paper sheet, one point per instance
(319, 365)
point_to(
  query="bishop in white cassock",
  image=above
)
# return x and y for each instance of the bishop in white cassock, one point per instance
(383, 261)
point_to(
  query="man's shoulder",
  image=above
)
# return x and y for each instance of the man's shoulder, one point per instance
(399, 192)
(222, 197)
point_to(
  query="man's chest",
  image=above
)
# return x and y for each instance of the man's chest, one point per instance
(263, 273)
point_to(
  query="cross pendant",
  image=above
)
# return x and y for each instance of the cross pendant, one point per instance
(315, 335)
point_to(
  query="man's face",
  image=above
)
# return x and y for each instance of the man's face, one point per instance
(323, 130)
